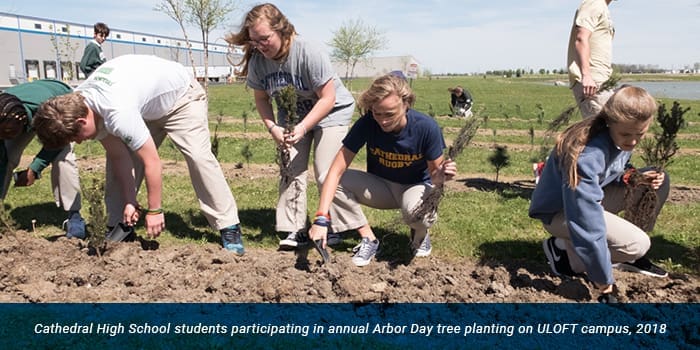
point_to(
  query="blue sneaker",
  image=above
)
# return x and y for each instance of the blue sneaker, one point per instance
(231, 239)
(74, 226)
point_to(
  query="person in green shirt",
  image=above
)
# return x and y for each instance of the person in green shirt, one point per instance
(18, 104)
(93, 56)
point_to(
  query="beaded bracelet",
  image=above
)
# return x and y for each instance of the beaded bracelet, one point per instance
(322, 221)
(271, 127)
(154, 211)
(326, 215)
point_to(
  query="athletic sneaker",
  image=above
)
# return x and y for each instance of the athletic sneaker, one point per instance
(557, 258)
(292, 241)
(366, 251)
(231, 239)
(643, 266)
(74, 225)
(425, 247)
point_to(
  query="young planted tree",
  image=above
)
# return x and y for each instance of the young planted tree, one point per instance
(65, 52)
(97, 218)
(353, 42)
(8, 224)
(207, 15)
(656, 153)
(215, 138)
(247, 154)
(499, 159)
(288, 102)
(175, 9)
(431, 200)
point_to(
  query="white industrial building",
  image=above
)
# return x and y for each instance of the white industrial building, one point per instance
(39, 48)
(377, 66)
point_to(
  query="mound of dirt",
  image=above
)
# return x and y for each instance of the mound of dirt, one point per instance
(35, 269)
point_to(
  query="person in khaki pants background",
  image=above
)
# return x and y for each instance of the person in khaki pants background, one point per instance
(130, 104)
(590, 55)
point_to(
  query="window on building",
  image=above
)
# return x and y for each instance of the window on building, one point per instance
(32, 67)
(119, 36)
(67, 71)
(143, 39)
(37, 25)
(50, 69)
(81, 75)
(64, 29)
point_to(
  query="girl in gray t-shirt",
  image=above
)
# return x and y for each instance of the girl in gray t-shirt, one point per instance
(275, 56)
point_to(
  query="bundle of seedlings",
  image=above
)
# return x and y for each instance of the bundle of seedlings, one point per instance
(640, 197)
(287, 100)
(431, 200)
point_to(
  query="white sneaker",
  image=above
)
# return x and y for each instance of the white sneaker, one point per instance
(291, 242)
(425, 248)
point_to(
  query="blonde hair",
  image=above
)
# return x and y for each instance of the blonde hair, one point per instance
(56, 119)
(628, 104)
(384, 86)
(278, 22)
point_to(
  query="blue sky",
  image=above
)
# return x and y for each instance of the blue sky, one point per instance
(445, 36)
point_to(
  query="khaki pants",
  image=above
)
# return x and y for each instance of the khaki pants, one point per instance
(590, 107)
(291, 213)
(187, 126)
(359, 187)
(65, 180)
(626, 241)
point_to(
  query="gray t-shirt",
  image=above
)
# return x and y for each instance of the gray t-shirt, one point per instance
(308, 68)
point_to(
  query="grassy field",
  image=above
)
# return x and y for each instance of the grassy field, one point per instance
(488, 225)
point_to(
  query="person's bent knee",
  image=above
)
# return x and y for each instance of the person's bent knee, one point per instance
(635, 249)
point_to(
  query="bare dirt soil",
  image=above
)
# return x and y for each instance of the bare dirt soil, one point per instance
(57, 269)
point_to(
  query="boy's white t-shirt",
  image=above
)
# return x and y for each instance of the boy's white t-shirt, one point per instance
(131, 89)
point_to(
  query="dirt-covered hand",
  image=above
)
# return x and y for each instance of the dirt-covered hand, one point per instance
(277, 133)
(654, 178)
(296, 135)
(155, 224)
(449, 169)
(131, 214)
(317, 232)
(445, 172)
(25, 178)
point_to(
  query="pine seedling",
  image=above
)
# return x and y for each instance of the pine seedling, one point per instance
(8, 224)
(431, 200)
(247, 154)
(287, 100)
(215, 139)
(499, 159)
(656, 153)
(97, 219)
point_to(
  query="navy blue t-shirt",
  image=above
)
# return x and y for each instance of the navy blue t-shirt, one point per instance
(402, 157)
